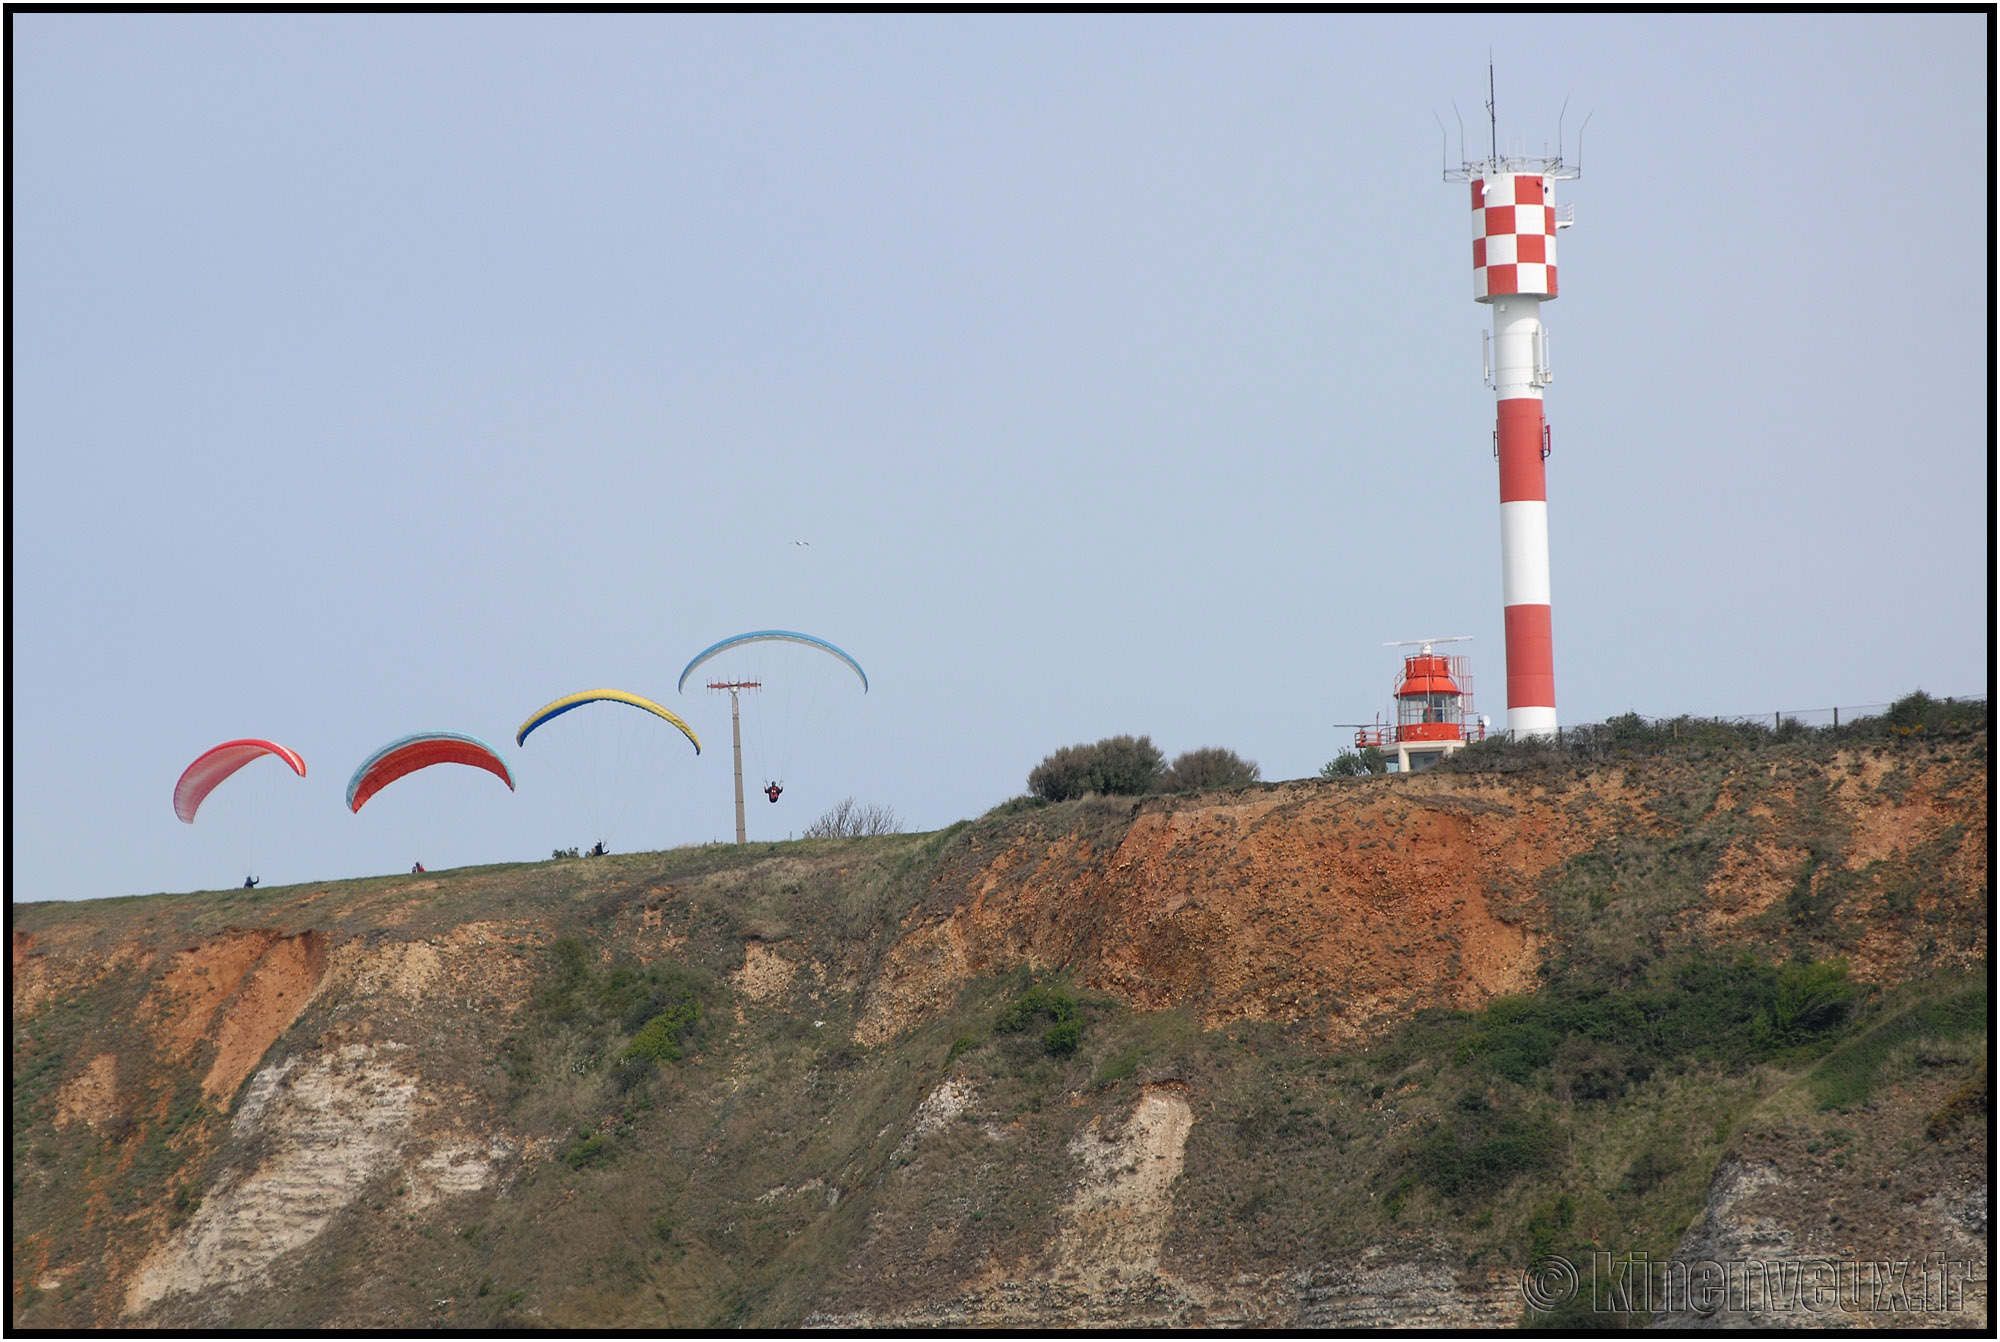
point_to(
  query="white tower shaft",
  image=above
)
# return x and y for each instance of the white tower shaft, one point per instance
(1520, 370)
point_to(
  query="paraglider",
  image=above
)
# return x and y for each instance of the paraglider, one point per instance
(770, 636)
(411, 753)
(212, 766)
(605, 759)
(569, 701)
(801, 681)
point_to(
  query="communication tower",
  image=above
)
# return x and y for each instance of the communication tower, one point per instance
(1515, 220)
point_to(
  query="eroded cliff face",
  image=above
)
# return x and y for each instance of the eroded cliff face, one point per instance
(1340, 913)
(314, 1107)
(1281, 906)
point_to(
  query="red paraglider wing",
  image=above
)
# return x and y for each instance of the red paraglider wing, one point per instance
(412, 753)
(212, 766)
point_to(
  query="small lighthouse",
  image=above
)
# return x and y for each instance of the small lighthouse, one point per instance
(1434, 714)
(1514, 223)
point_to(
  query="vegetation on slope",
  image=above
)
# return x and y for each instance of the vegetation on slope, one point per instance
(713, 1156)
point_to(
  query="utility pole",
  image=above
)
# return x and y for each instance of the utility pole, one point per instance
(736, 739)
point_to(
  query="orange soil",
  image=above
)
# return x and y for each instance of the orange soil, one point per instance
(1338, 906)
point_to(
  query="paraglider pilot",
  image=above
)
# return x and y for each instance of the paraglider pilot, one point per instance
(416, 869)
(772, 791)
(598, 850)
(250, 882)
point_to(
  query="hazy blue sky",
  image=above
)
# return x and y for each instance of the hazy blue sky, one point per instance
(380, 373)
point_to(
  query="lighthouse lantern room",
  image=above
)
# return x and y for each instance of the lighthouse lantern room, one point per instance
(1434, 715)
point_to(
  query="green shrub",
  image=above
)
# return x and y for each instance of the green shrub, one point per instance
(1547, 1224)
(1125, 766)
(661, 1037)
(1810, 999)
(1918, 715)
(1848, 1075)
(662, 1007)
(1065, 1029)
(1734, 1010)
(587, 1150)
(1478, 1152)
(1039, 1000)
(1208, 767)
(1063, 775)
(1355, 763)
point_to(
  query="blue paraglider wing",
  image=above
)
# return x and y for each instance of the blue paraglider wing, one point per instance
(771, 636)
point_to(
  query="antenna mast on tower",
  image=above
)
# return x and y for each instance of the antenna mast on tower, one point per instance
(1492, 113)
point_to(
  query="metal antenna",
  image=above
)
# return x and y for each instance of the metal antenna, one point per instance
(1492, 114)
(1461, 128)
(1559, 128)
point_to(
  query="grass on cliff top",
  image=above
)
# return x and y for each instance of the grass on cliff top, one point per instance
(445, 899)
(1916, 719)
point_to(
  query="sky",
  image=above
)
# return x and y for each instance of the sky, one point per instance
(384, 373)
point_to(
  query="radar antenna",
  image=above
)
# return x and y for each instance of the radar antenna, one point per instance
(1423, 645)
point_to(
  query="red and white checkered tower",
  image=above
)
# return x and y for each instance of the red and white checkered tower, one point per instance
(1514, 224)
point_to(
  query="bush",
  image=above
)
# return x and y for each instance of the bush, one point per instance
(1208, 767)
(588, 1150)
(1479, 1151)
(1127, 766)
(1917, 714)
(663, 1007)
(1811, 999)
(1058, 1006)
(846, 820)
(1355, 764)
(1062, 1039)
(662, 1038)
(1064, 1014)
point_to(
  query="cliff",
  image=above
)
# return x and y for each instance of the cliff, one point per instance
(1317, 1053)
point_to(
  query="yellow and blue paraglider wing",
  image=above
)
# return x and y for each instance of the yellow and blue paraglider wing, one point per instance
(577, 700)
